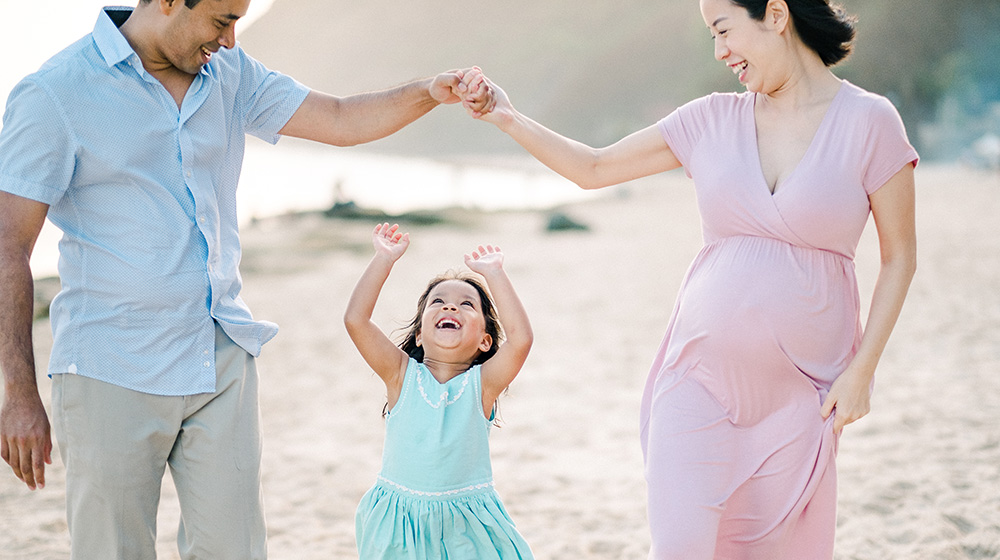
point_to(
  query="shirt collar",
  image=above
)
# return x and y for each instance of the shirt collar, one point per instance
(112, 44)
(109, 40)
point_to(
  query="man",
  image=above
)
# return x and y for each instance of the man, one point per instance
(131, 141)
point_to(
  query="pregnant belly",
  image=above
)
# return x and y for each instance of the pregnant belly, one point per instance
(755, 312)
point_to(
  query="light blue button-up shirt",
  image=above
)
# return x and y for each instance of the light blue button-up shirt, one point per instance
(145, 195)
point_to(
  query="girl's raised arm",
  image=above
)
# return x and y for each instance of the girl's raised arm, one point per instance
(388, 361)
(502, 368)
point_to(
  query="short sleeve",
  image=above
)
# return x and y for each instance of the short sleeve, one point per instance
(268, 98)
(887, 148)
(37, 150)
(683, 128)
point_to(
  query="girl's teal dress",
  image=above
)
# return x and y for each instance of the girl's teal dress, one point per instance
(434, 498)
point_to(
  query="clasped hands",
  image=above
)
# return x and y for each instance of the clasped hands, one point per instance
(468, 87)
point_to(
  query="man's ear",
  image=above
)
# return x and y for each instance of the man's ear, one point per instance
(167, 6)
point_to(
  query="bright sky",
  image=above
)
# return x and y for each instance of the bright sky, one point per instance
(31, 32)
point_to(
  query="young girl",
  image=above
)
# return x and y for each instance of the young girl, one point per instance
(434, 497)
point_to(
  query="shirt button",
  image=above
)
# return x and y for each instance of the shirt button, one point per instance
(188, 173)
(208, 364)
(205, 352)
(201, 219)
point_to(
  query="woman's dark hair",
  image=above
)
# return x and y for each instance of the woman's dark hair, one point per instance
(493, 327)
(824, 27)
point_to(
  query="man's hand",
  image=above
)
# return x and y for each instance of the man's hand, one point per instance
(25, 441)
(447, 87)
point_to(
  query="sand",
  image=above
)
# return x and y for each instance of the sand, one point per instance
(919, 477)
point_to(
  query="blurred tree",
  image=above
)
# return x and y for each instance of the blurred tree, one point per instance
(940, 55)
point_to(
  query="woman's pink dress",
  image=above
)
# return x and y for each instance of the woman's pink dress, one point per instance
(739, 462)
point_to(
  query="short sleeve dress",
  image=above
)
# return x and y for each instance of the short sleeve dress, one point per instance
(739, 462)
(434, 497)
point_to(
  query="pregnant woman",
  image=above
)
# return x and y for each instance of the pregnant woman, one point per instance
(764, 360)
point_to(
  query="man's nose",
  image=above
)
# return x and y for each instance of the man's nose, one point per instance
(228, 37)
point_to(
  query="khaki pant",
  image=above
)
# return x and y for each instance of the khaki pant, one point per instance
(116, 443)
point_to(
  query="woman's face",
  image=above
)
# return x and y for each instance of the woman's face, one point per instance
(743, 43)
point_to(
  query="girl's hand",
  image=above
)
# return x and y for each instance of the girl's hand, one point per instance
(500, 370)
(389, 242)
(485, 260)
(850, 395)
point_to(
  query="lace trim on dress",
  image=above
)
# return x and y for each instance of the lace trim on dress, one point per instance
(402, 488)
(443, 399)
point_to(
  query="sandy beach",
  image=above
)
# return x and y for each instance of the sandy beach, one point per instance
(919, 477)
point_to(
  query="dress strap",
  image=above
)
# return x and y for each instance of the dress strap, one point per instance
(412, 367)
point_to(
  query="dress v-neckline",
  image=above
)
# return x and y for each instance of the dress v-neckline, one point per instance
(435, 379)
(783, 184)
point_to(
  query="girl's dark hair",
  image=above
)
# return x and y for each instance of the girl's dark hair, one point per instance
(493, 327)
(823, 26)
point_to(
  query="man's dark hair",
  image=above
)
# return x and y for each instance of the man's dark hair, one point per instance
(189, 3)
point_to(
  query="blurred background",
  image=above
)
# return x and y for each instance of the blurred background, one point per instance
(915, 476)
(592, 70)
(597, 70)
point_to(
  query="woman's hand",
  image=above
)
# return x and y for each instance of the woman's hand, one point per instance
(850, 396)
(389, 242)
(478, 97)
(496, 108)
